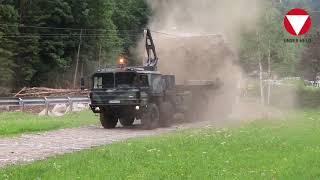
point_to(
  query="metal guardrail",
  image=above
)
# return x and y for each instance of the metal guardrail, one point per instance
(47, 101)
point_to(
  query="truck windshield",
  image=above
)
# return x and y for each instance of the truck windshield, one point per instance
(120, 80)
(126, 79)
(131, 79)
(103, 81)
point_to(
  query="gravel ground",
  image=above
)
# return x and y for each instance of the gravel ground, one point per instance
(31, 147)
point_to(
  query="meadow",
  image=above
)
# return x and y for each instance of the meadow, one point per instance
(284, 148)
(15, 123)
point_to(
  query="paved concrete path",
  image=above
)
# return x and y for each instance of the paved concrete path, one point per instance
(32, 147)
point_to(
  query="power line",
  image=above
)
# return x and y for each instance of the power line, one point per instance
(163, 33)
(86, 36)
(110, 41)
(66, 28)
(110, 30)
(103, 35)
(186, 35)
(59, 35)
(73, 33)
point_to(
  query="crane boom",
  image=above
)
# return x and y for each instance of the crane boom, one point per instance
(152, 58)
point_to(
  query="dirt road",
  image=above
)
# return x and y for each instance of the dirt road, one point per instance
(32, 147)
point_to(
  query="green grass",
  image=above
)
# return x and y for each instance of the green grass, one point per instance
(264, 149)
(18, 123)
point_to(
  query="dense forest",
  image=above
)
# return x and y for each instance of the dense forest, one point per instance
(42, 43)
(39, 40)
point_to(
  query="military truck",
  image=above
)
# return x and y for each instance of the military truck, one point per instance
(125, 94)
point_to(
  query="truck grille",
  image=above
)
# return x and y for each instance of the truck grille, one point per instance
(114, 98)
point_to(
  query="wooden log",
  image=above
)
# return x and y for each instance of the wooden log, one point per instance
(23, 89)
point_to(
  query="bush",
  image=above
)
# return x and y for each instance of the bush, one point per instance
(308, 97)
(296, 96)
(292, 93)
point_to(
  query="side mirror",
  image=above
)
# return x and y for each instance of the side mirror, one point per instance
(82, 84)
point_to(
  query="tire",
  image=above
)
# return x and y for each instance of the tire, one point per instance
(151, 117)
(192, 115)
(166, 114)
(198, 109)
(126, 121)
(108, 120)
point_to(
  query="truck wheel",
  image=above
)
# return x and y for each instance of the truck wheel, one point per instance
(192, 115)
(151, 116)
(166, 113)
(126, 121)
(197, 110)
(108, 120)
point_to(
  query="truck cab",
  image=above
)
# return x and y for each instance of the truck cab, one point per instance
(124, 94)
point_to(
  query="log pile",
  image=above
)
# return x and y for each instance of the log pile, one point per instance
(42, 92)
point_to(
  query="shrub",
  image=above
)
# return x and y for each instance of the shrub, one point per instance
(291, 93)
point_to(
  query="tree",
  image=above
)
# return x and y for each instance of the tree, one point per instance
(130, 17)
(99, 38)
(54, 41)
(8, 45)
(309, 65)
(27, 56)
(40, 39)
(267, 51)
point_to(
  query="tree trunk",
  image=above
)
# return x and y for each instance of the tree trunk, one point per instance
(261, 82)
(260, 72)
(269, 73)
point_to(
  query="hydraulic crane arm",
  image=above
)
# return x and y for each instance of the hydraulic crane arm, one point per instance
(152, 58)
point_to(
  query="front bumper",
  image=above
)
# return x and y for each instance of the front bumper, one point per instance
(116, 104)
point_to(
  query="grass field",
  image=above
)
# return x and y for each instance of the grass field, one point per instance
(17, 122)
(264, 149)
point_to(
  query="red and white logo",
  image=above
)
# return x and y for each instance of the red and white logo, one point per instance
(297, 22)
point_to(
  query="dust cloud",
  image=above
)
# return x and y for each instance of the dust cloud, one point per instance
(199, 40)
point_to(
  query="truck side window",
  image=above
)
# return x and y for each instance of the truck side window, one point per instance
(97, 83)
(157, 83)
(144, 80)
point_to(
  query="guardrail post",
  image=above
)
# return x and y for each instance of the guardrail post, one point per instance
(21, 105)
(70, 104)
(47, 106)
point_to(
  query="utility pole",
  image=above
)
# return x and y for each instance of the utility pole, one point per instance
(100, 49)
(82, 68)
(77, 62)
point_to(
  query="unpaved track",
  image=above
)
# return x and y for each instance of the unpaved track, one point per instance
(32, 147)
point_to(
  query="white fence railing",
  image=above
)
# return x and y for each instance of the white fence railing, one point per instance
(315, 83)
(46, 101)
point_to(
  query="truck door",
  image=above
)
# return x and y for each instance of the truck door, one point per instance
(157, 84)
